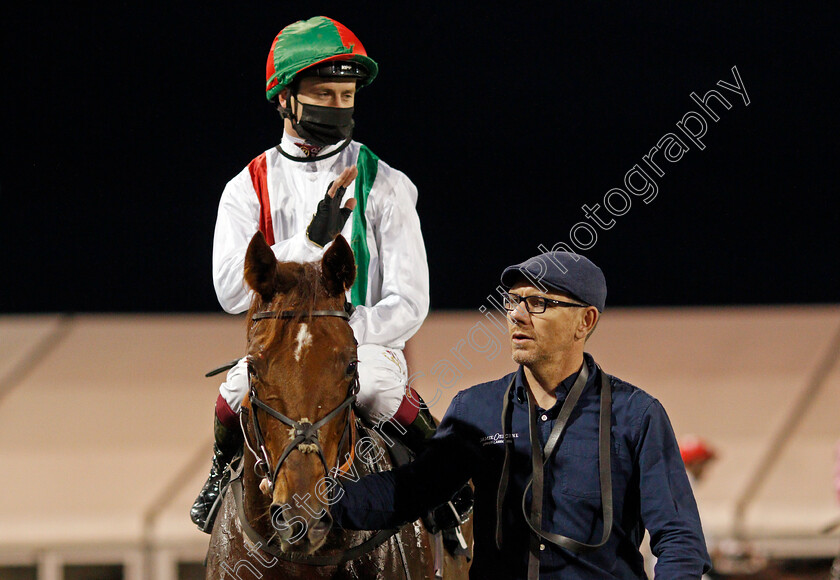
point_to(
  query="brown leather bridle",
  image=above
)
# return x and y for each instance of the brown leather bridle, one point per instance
(305, 433)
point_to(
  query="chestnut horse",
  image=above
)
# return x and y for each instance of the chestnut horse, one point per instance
(302, 438)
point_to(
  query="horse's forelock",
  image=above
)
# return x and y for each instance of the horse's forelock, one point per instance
(302, 297)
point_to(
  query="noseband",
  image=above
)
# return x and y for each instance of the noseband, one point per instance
(304, 432)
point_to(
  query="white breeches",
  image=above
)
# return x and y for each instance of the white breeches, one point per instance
(383, 376)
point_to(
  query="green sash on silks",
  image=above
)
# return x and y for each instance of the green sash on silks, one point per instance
(367, 164)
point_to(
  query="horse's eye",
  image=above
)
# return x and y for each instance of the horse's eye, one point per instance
(351, 368)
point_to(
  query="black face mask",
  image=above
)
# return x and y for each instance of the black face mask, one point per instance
(323, 126)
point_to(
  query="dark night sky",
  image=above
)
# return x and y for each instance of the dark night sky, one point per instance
(122, 124)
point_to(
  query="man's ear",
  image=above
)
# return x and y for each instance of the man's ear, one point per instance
(282, 98)
(588, 322)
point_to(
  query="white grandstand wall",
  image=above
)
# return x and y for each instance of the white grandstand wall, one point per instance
(105, 420)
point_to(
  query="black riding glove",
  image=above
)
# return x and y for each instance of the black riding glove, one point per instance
(329, 219)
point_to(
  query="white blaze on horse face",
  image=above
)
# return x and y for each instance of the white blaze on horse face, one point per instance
(304, 339)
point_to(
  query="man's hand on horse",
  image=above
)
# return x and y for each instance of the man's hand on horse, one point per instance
(330, 218)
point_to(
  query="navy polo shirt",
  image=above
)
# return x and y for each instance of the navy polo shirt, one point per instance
(650, 484)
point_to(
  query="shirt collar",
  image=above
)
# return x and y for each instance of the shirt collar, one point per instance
(289, 144)
(565, 384)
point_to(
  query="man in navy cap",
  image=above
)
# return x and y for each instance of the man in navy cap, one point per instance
(570, 465)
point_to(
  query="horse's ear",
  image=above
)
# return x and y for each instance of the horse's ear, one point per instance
(261, 267)
(338, 267)
(264, 273)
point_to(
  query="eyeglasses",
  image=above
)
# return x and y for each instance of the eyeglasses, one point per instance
(534, 304)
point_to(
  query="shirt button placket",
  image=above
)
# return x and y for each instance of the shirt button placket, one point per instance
(545, 427)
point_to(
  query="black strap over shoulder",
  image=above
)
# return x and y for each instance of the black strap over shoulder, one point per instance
(541, 457)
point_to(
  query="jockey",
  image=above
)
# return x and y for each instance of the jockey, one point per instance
(316, 183)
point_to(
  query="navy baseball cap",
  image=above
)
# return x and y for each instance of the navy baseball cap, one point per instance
(563, 271)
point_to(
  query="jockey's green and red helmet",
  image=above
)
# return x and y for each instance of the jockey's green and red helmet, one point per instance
(324, 46)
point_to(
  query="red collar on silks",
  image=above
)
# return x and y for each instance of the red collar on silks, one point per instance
(308, 149)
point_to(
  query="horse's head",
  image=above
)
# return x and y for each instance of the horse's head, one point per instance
(303, 370)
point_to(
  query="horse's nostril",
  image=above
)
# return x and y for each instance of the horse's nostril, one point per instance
(323, 524)
(319, 528)
(278, 520)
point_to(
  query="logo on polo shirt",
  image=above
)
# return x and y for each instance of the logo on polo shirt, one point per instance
(497, 438)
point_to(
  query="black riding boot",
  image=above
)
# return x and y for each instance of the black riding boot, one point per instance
(227, 445)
